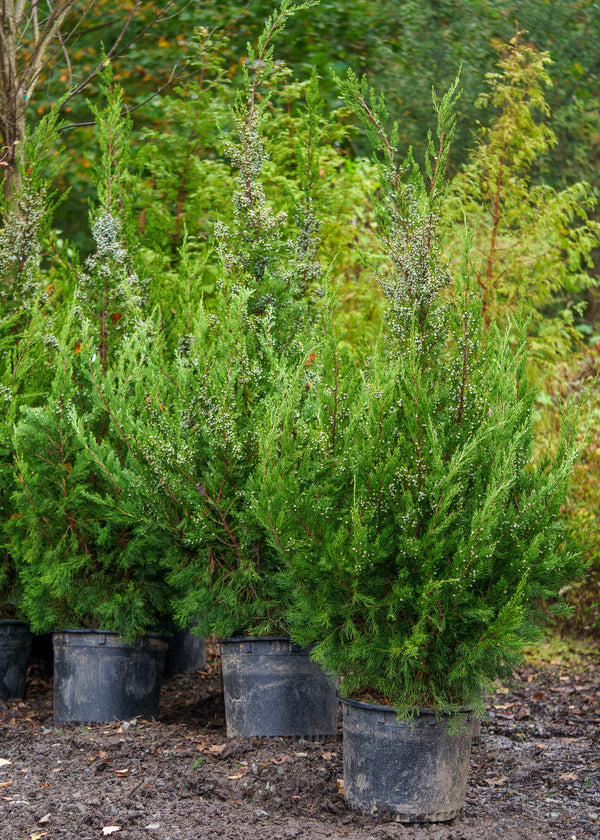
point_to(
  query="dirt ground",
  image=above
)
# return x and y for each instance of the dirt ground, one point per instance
(535, 774)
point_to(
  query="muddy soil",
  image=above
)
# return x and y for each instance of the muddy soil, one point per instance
(535, 773)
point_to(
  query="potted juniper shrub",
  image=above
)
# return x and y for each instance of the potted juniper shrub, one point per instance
(195, 431)
(25, 310)
(421, 536)
(84, 564)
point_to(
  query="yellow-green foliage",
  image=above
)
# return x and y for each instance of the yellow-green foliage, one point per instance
(532, 244)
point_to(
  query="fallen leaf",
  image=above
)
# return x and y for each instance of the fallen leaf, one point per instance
(101, 754)
(340, 785)
(239, 775)
(37, 834)
(110, 829)
(496, 782)
(44, 819)
(523, 712)
(217, 748)
(568, 777)
(123, 772)
(5, 784)
(4, 761)
(505, 715)
(327, 756)
(541, 746)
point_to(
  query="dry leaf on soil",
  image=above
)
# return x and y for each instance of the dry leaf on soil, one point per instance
(110, 829)
(37, 834)
(496, 782)
(4, 761)
(523, 712)
(5, 784)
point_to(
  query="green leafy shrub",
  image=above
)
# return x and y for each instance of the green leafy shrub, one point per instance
(192, 426)
(422, 540)
(28, 317)
(187, 182)
(80, 556)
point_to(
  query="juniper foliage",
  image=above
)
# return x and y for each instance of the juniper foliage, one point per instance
(27, 316)
(421, 539)
(193, 425)
(82, 558)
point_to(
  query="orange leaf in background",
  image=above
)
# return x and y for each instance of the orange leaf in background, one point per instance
(115, 316)
(340, 785)
(310, 360)
(77, 347)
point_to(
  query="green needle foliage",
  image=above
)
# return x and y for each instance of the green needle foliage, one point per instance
(193, 423)
(28, 317)
(82, 559)
(420, 537)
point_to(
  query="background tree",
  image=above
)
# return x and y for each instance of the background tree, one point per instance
(59, 45)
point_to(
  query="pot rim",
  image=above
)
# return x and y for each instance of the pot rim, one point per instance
(96, 630)
(234, 639)
(379, 707)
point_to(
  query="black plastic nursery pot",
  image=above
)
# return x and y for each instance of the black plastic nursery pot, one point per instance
(15, 652)
(273, 689)
(98, 678)
(476, 734)
(186, 652)
(413, 770)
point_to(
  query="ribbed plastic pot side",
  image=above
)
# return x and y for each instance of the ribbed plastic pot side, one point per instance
(15, 653)
(413, 770)
(272, 688)
(98, 678)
